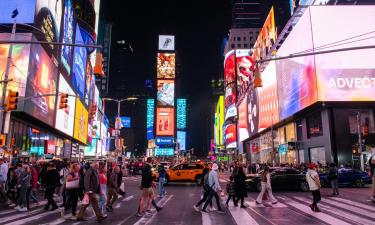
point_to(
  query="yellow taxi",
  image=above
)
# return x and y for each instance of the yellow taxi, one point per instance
(186, 172)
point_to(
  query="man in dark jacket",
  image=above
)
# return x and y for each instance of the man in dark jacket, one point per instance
(112, 188)
(51, 181)
(92, 187)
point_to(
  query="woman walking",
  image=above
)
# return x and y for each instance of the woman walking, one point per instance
(240, 186)
(312, 178)
(333, 178)
(24, 182)
(266, 186)
(72, 185)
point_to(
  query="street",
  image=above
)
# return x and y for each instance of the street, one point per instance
(351, 207)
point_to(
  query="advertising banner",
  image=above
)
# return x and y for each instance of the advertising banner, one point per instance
(25, 10)
(41, 82)
(181, 113)
(229, 72)
(230, 112)
(181, 140)
(126, 122)
(65, 117)
(166, 66)
(165, 122)
(230, 95)
(79, 65)
(48, 16)
(243, 126)
(166, 42)
(164, 141)
(150, 118)
(165, 92)
(266, 38)
(80, 122)
(245, 68)
(164, 152)
(219, 122)
(231, 136)
(67, 36)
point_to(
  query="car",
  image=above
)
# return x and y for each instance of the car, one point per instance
(281, 179)
(347, 177)
(191, 172)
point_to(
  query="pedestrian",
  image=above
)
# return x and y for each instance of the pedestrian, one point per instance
(28, 192)
(372, 173)
(119, 182)
(34, 183)
(11, 187)
(265, 178)
(240, 186)
(313, 180)
(63, 174)
(206, 190)
(162, 176)
(112, 188)
(24, 181)
(333, 178)
(71, 186)
(103, 196)
(3, 178)
(51, 182)
(92, 188)
(214, 189)
(231, 191)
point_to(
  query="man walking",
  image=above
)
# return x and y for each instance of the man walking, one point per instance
(92, 188)
(213, 182)
(51, 181)
(112, 188)
(313, 180)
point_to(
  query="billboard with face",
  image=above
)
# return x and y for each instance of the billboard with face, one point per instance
(229, 68)
(41, 81)
(230, 136)
(67, 36)
(79, 65)
(245, 68)
(165, 92)
(165, 122)
(65, 117)
(166, 66)
(81, 122)
(48, 16)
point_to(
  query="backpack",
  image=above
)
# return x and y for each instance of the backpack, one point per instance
(206, 185)
(332, 174)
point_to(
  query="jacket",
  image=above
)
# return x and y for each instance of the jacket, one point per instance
(146, 177)
(3, 172)
(112, 182)
(51, 178)
(213, 181)
(24, 179)
(91, 181)
(231, 188)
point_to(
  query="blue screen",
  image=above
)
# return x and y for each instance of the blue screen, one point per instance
(126, 122)
(67, 38)
(25, 8)
(79, 65)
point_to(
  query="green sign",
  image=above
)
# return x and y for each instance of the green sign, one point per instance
(223, 158)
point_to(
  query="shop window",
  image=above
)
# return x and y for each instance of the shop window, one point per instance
(366, 122)
(317, 155)
(245, 46)
(314, 125)
(299, 130)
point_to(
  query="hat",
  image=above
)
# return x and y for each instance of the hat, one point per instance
(215, 166)
(311, 166)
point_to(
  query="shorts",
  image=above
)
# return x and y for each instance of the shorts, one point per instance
(147, 192)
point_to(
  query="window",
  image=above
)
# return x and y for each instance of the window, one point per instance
(232, 46)
(238, 45)
(245, 45)
(314, 125)
(244, 38)
(251, 38)
(299, 130)
(238, 38)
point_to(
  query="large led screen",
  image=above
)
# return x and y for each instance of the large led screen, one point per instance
(25, 9)
(166, 65)
(48, 15)
(181, 113)
(164, 151)
(67, 36)
(80, 122)
(243, 126)
(165, 122)
(165, 92)
(181, 140)
(245, 68)
(229, 69)
(20, 64)
(79, 65)
(166, 42)
(219, 122)
(41, 83)
(150, 118)
(230, 136)
(65, 117)
(230, 95)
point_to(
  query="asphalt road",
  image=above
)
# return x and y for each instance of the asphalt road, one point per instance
(351, 207)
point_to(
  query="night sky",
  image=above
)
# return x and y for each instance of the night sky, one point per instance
(199, 27)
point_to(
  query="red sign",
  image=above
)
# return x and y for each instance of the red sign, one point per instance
(231, 136)
(165, 121)
(229, 72)
(243, 127)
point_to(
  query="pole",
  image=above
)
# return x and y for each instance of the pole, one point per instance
(273, 144)
(360, 141)
(6, 75)
(117, 131)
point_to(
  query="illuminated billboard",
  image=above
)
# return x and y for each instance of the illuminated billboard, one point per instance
(41, 83)
(230, 136)
(181, 113)
(229, 72)
(166, 65)
(181, 140)
(48, 16)
(79, 65)
(20, 59)
(266, 38)
(81, 122)
(150, 118)
(219, 122)
(65, 117)
(25, 10)
(126, 122)
(164, 141)
(164, 152)
(243, 126)
(165, 122)
(67, 36)
(166, 42)
(165, 92)
(245, 68)
(230, 112)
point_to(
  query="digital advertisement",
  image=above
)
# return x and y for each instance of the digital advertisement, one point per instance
(164, 152)
(181, 140)
(230, 95)
(230, 112)
(165, 92)
(67, 36)
(25, 9)
(229, 68)
(165, 122)
(150, 118)
(80, 122)
(65, 117)
(243, 126)
(79, 65)
(245, 68)
(166, 42)
(166, 66)
(231, 136)
(181, 113)
(41, 81)
(126, 122)
(164, 141)
(219, 122)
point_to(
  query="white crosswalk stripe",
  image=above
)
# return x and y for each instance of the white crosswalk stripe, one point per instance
(357, 204)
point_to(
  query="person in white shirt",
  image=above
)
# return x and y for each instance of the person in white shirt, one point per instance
(3, 177)
(313, 180)
(266, 186)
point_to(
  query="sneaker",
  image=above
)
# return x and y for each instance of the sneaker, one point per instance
(73, 217)
(148, 213)
(274, 202)
(220, 211)
(258, 203)
(196, 208)
(17, 207)
(204, 211)
(312, 208)
(159, 208)
(81, 219)
(100, 218)
(12, 205)
(243, 207)
(23, 209)
(139, 214)
(213, 209)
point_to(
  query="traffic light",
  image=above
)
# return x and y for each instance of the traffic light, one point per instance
(257, 79)
(11, 101)
(98, 68)
(92, 112)
(63, 101)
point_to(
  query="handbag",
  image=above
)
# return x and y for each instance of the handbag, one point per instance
(86, 199)
(72, 184)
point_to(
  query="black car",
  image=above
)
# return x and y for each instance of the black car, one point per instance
(281, 179)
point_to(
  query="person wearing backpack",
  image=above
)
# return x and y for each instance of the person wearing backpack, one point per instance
(205, 190)
(231, 192)
(333, 178)
(215, 189)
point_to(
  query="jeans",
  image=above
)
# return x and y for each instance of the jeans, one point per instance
(265, 188)
(316, 198)
(30, 194)
(212, 194)
(335, 187)
(161, 186)
(103, 197)
(112, 196)
(204, 199)
(23, 196)
(233, 198)
(71, 200)
(3, 190)
(50, 190)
